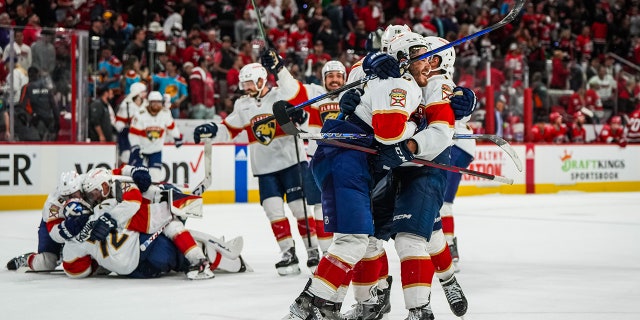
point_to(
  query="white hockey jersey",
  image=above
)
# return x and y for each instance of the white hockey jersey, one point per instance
(435, 108)
(119, 253)
(149, 131)
(270, 149)
(386, 106)
(127, 111)
(52, 215)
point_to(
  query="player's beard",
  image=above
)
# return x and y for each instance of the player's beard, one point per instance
(333, 85)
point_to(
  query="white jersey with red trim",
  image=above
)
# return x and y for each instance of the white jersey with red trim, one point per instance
(386, 106)
(436, 109)
(270, 149)
(633, 127)
(148, 131)
(119, 253)
(356, 73)
(127, 111)
(52, 215)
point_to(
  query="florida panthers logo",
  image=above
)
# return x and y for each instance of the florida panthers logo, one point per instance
(329, 111)
(154, 133)
(265, 132)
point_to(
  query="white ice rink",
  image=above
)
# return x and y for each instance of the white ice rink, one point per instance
(560, 256)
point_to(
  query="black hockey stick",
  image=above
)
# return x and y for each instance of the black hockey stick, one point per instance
(507, 19)
(288, 127)
(295, 138)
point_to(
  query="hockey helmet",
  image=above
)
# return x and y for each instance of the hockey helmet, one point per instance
(390, 32)
(155, 96)
(578, 114)
(93, 181)
(330, 66)
(137, 88)
(448, 56)
(616, 120)
(69, 183)
(253, 72)
(553, 116)
(403, 45)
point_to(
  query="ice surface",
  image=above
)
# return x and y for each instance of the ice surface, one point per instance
(559, 256)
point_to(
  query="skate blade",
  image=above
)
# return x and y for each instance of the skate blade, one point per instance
(289, 270)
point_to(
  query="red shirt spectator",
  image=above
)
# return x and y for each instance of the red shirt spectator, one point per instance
(560, 71)
(371, 15)
(514, 61)
(584, 45)
(201, 85)
(193, 52)
(301, 38)
(577, 133)
(556, 131)
(584, 98)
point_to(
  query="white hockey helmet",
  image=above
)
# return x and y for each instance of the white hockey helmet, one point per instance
(253, 72)
(448, 55)
(69, 183)
(391, 31)
(333, 65)
(403, 45)
(94, 180)
(155, 96)
(137, 88)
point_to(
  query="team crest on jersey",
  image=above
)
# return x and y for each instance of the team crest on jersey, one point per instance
(53, 211)
(154, 133)
(447, 92)
(329, 111)
(265, 132)
(398, 97)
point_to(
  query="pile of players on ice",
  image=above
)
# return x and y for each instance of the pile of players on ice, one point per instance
(102, 225)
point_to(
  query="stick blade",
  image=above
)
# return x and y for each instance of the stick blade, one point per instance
(506, 147)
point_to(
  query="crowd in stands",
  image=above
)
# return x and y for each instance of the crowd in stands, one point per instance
(578, 57)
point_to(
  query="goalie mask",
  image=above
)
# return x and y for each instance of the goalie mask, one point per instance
(447, 56)
(337, 75)
(253, 72)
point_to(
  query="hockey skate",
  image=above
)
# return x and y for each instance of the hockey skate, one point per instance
(421, 313)
(200, 271)
(313, 259)
(455, 257)
(288, 265)
(19, 261)
(309, 307)
(455, 296)
(374, 308)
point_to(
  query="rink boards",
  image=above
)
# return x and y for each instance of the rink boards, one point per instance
(28, 172)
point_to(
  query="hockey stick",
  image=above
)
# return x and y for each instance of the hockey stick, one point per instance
(289, 128)
(503, 144)
(198, 191)
(507, 19)
(295, 138)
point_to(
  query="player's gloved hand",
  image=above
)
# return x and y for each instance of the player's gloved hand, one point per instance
(102, 227)
(418, 118)
(141, 178)
(135, 159)
(271, 61)
(179, 141)
(207, 130)
(463, 102)
(392, 156)
(299, 116)
(349, 101)
(72, 225)
(382, 65)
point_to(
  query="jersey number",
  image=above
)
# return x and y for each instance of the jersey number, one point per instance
(116, 242)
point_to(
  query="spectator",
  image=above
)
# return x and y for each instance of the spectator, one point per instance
(21, 19)
(172, 84)
(173, 23)
(605, 86)
(300, 41)
(584, 45)
(101, 116)
(116, 35)
(556, 130)
(44, 54)
(514, 62)
(201, 91)
(329, 38)
(110, 69)
(246, 28)
(560, 71)
(272, 15)
(357, 39)
(132, 73)
(222, 62)
(233, 77)
(20, 50)
(32, 30)
(499, 109)
(279, 36)
(194, 51)
(4, 122)
(586, 101)
(246, 52)
(137, 46)
(371, 15)
(317, 55)
(37, 100)
(20, 78)
(577, 133)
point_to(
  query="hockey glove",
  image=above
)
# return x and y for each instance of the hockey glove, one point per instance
(207, 130)
(72, 225)
(392, 156)
(419, 120)
(299, 116)
(178, 141)
(271, 61)
(463, 102)
(135, 159)
(349, 101)
(141, 178)
(382, 65)
(102, 227)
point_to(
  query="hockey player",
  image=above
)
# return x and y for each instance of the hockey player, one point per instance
(49, 239)
(344, 178)
(613, 132)
(147, 135)
(633, 126)
(129, 107)
(137, 213)
(119, 249)
(273, 156)
(577, 132)
(556, 130)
